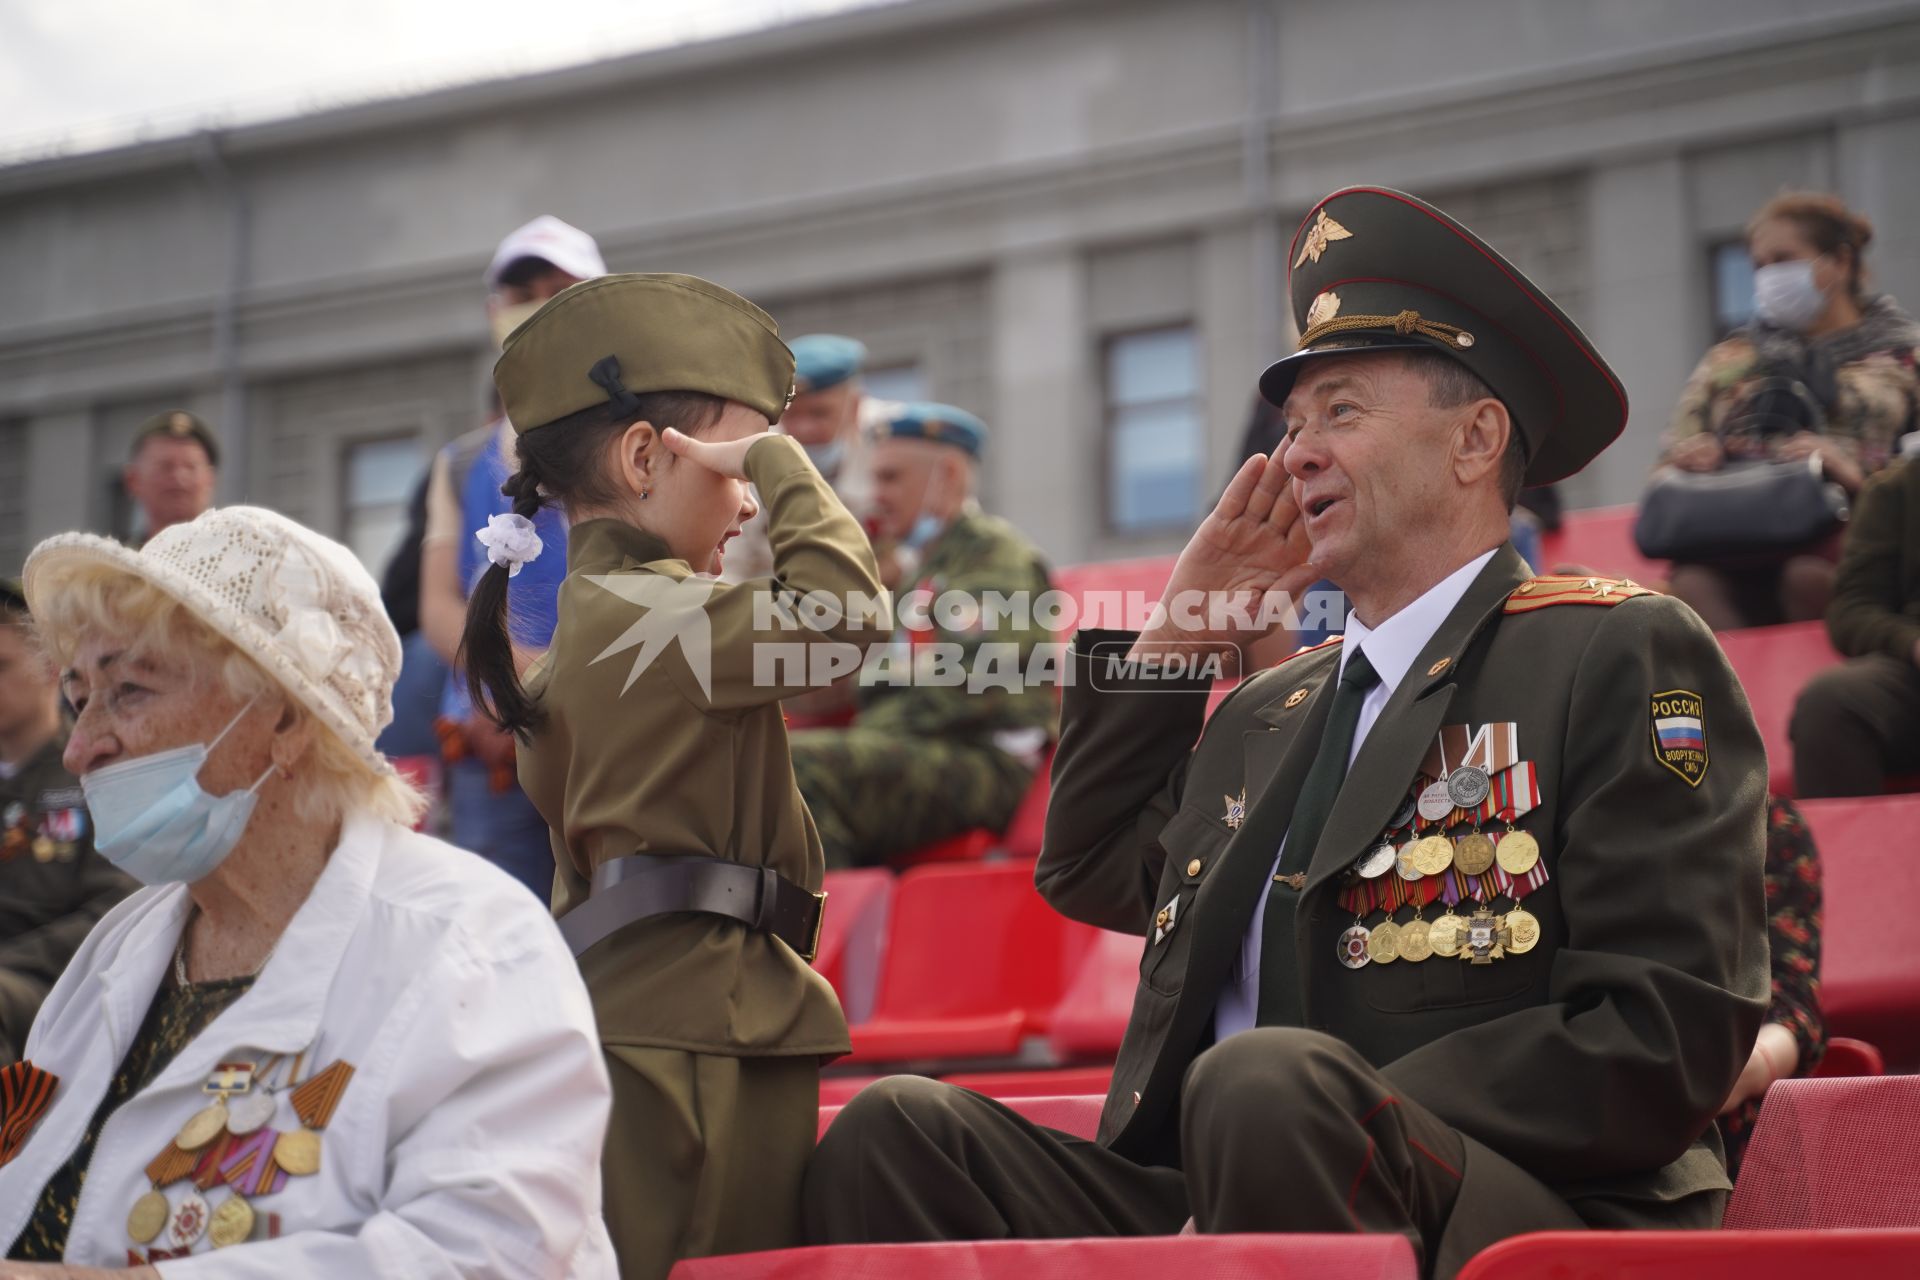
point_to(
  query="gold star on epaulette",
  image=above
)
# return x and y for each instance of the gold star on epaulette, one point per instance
(1559, 588)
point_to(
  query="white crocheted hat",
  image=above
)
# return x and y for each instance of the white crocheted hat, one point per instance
(297, 603)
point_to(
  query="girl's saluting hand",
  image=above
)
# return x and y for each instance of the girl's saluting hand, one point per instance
(727, 457)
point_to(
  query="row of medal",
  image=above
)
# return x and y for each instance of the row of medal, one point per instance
(232, 1142)
(56, 835)
(1437, 847)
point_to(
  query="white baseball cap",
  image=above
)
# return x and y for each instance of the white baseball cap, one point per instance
(550, 240)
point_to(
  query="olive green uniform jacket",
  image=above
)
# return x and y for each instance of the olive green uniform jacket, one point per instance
(662, 733)
(1596, 1061)
(53, 886)
(1876, 593)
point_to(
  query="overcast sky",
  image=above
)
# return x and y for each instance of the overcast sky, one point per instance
(79, 74)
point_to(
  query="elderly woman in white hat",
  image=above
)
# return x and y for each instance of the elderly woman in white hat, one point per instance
(318, 1044)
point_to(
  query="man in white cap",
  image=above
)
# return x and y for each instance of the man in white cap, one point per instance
(490, 814)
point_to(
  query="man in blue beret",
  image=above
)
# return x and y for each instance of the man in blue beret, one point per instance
(826, 418)
(931, 752)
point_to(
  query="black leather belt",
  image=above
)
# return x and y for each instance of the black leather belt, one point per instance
(644, 884)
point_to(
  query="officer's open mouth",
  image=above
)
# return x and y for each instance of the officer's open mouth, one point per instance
(1318, 507)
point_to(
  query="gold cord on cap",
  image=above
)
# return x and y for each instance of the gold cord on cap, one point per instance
(1407, 322)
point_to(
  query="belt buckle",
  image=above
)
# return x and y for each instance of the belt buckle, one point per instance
(819, 921)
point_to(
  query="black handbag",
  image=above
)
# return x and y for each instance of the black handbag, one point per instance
(1752, 511)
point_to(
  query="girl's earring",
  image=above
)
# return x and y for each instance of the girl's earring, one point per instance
(645, 494)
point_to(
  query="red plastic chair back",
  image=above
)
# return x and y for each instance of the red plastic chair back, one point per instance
(1774, 665)
(1868, 988)
(1696, 1255)
(1849, 1057)
(1829, 1154)
(854, 934)
(1114, 593)
(1029, 825)
(1601, 540)
(1093, 1014)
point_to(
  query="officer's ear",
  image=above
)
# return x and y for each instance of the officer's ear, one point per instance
(1480, 441)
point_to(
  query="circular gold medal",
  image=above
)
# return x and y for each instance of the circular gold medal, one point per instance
(1353, 947)
(1523, 930)
(232, 1222)
(1517, 852)
(150, 1213)
(1473, 854)
(1443, 935)
(1415, 943)
(1383, 943)
(42, 849)
(203, 1128)
(298, 1152)
(1433, 855)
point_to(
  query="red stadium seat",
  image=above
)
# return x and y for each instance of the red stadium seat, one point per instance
(976, 962)
(1869, 987)
(1600, 540)
(1114, 593)
(1697, 1255)
(1847, 1057)
(1029, 824)
(853, 934)
(1271, 1257)
(968, 846)
(1774, 665)
(1829, 1154)
(1093, 1014)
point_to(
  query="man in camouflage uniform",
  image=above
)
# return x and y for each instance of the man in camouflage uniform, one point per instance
(948, 733)
(53, 886)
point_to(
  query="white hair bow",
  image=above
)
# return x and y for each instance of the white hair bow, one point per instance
(511, 541)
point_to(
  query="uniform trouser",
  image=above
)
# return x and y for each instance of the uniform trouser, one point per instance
(1854, 724)
(705, 1154)
(1281, 1130)
(874, 793)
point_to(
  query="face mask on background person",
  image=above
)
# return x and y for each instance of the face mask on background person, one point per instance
(153, 820)
(926, 526)
(504, 320)
(1785, 295)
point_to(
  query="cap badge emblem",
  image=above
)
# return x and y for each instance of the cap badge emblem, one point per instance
(1323, 231)
(1324, 308)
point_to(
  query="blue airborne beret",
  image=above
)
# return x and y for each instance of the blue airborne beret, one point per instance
(822, 360)
(940, 423)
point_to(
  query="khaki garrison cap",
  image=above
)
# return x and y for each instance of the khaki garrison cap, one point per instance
(1377, 270)
(177, 424)
(620, 336)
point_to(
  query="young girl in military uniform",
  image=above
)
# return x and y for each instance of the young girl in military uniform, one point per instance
(653, 743)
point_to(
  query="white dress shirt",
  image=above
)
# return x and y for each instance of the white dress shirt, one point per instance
(1391, 647)
(467, 1142)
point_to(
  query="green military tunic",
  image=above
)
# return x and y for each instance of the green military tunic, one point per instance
(1857, 723)
(53, 886)
(675, 744)
(925, 758)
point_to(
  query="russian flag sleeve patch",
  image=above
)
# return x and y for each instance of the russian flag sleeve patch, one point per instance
(1680, 734)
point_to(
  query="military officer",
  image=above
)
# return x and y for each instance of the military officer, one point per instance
(1454, 929)
(827, 418)
(53, 886)
(171, 469)
(929, 755)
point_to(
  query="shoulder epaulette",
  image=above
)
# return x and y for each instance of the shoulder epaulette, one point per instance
(1567, 588)
(1301, 653)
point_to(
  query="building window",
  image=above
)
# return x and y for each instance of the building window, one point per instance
(895, 382)
(1154, 438)
(380, 478)
(1732, 286)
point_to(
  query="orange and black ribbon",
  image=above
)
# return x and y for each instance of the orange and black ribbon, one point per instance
(25, 1092)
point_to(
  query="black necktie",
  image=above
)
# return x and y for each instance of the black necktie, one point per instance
(1279, 978)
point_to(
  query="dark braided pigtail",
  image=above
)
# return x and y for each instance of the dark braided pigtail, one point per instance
(486, 645)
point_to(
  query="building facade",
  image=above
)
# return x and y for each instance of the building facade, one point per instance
(1067, 215)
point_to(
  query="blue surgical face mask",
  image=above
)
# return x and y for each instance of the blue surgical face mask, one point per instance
(152, 819)
(827, 457)
(1785, 295)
